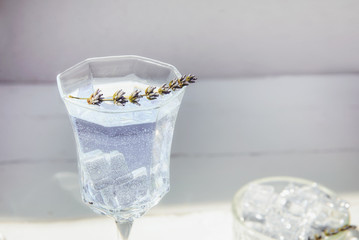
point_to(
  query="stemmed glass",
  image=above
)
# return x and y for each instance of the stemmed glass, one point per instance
(123, 151)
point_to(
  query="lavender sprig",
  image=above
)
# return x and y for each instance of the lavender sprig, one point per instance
(120, 99)
(191, 78)
(182, 81)
(331, 232)
(150, 94)
(96, 98)
(174, 85)
(135, 97)
(164, 89)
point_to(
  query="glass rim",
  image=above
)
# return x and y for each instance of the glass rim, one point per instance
(242, 190)
(120, 109)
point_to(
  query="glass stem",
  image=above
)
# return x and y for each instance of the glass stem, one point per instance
(123, 230)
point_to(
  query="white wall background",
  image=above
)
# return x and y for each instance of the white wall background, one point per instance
(305, 126)
(228, 38)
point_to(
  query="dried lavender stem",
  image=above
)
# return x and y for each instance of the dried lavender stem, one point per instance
(70, 96)
(118, 98)
(106, 99)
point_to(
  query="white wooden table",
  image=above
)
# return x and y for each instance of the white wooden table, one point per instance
(229, 132)
(210, 222)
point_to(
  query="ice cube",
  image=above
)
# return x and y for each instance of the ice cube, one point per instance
(109, 197)
(112, 182)
(96, 166)
(141, 183)
(103, 183)
(129, 191)
(123, 179)
(103, 168)
(118, 164)
(257, 201)
(298, 200)
(139, 172)
(283, 225)
(331, 213)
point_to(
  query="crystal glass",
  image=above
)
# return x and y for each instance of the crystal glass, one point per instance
(244, 231)
(123, 151)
